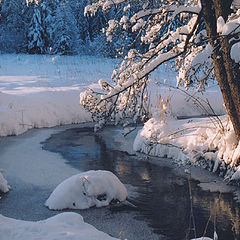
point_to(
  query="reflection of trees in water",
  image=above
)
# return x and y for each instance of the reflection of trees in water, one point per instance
(163, 197)
(236, 223)
(221, 206)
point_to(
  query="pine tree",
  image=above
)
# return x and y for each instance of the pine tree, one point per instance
(48, 8)
(65, 34)
(13, 25)
(36, 33)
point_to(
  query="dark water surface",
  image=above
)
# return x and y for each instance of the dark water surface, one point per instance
(162, 198)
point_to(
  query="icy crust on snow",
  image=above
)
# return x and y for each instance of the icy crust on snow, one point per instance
(87, 189)
(64, 226)
(203, 142)
(4, 187)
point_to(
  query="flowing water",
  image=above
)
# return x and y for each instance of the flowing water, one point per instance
(159, 197)
(163, 197)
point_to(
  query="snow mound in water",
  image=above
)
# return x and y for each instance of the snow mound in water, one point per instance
(64, 226)
(4, 187)
(87, 189)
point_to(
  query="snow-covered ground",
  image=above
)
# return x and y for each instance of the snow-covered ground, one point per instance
(64, 226)
(43, 91)
(207, 142)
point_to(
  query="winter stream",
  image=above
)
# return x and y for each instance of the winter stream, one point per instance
(35, 162)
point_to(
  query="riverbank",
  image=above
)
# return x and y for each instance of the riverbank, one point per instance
(158, 187)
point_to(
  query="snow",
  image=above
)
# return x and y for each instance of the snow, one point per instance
(220, 24)
(43, 169)
(203, 238)
(236, 4)
(4, 187)
(87, 189)
(185, 104)
(43, 91)
(207, 142)
(235, 52)
(64, 226)
(42, 109)
(215, 237)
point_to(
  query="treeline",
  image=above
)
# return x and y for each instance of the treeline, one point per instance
(52, 27)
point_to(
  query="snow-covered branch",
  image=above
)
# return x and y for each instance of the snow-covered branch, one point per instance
(169, 30)
(166, 33)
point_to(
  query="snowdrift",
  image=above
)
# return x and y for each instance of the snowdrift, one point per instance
(87, 189)
(64, 226)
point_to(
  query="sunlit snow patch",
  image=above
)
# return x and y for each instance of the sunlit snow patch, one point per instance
(64, 226)
(87, 189)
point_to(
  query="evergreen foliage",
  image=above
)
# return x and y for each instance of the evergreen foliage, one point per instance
(52, 27)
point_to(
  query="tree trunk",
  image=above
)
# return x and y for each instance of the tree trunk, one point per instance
(227, 71)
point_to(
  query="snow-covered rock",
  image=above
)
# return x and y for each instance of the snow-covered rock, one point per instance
(4, 187)
(64, 226)
(87, 189)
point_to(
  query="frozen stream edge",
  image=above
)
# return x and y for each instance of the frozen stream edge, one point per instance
(208, 181)
(20, 157)
(30, 169)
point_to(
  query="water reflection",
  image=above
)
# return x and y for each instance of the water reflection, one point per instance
(163, 197)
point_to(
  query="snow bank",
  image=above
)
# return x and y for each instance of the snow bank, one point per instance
(64, 226)
(4, 187)
(42, 109)
(43, 91)
(87, 189)
(208, 142)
